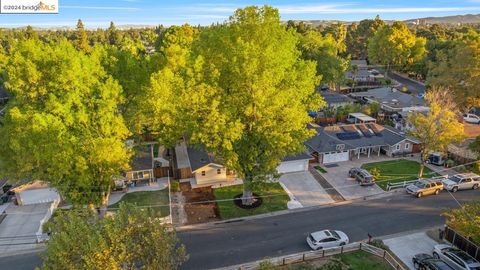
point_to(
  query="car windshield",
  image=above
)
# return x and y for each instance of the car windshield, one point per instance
(335, 234)
(454, 178)
(420, 184)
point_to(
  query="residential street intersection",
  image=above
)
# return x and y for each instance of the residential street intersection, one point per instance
(232, 243)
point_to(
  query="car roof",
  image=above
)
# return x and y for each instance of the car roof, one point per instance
(321, 235)
(441, 265)
(463, 255)
(466, 175)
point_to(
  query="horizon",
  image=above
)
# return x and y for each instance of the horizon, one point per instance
(99, 14)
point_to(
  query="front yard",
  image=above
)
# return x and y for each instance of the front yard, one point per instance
(399, 170)
(274, 199)
(158, 199)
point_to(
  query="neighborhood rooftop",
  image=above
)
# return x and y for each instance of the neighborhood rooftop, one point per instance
(333, 97)
(390, 97)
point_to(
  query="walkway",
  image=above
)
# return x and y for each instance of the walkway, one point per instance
(336, 196)
(160, 184)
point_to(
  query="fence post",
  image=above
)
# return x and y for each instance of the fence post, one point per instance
(283, 261)
(384, 253)
(303, 257)
(341, 250)
(323, 252)
(360, 246)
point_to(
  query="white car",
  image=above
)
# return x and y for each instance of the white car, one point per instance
(471, 118)
(327, 239)
(461, 181)
(455, 258)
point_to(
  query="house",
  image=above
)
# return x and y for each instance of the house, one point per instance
(142, 165)
(391, 100)
(203, 169)
(339, 143)
(335, 100)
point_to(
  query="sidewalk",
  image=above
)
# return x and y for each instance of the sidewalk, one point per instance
(160, 184)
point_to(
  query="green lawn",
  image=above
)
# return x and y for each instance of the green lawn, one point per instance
(277, 201)
(320, 169)
(142, 198)
(397, 171)
(361, 260)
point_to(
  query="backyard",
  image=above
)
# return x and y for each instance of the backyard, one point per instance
(394, 171)
(158, 199)
(274, 199)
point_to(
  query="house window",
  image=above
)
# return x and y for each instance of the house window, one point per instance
(407, 146)
(219, 171)
(203, 173)
(398, 146)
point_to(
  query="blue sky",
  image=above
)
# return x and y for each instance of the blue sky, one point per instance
(98, 13)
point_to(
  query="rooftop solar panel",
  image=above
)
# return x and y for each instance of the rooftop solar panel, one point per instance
(348, 135)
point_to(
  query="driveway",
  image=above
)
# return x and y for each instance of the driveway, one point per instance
(406, 246)
(305, 189)
(18, 229)
(337, 176)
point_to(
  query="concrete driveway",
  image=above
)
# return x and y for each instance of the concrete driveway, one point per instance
(406, 246)
(305, 189)
(337, 176)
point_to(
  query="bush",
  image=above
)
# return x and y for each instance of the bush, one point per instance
(378, 243)
(174, 186)
(450, 163)
(375, 172)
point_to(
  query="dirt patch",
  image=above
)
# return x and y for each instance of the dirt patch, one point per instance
(199, 204)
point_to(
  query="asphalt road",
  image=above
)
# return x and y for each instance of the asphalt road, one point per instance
(414, 86)
(244, 241)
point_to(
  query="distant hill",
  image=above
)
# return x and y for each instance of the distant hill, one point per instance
(455, 19)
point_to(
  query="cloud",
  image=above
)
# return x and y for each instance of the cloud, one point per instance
(326, 9)
(99, 7)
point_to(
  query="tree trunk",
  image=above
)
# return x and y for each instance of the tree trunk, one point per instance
(247, 197)
(104, 204)
(422, 167)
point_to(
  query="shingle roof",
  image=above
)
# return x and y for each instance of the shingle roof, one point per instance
(333, 97)
(391, 97)
(328, 138)
(142, 160)
(299, 156)
(198, 158)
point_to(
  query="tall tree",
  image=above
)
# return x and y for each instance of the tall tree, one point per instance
(439, 127)
(465, 220)
(359, 34)
(339, 33)
(458, 68)
(395, 46)
(81, 39)
(133, 238)
(257, 92)
(62, 125)
(324, 51)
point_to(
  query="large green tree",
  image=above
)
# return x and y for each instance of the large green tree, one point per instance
(358, 36)
(437, 128)
(81, 38)
(395, 46)
(255, 93)
(63, 125)
(133, 238)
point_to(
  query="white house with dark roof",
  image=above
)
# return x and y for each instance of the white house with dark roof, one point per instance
(340, 143)
(391, 100)
(205, 170)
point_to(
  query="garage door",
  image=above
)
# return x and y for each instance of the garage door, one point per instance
(293, 166)
(335, 157)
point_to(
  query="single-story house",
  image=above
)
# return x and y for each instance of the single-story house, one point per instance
(142, 165)
(390, 99)
(203, 169)
(335, 100)
(339, 143)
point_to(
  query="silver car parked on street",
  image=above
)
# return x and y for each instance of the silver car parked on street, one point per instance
(455, 258)
(461, 181)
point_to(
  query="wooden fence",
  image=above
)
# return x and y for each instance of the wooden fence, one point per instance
(323, 253)
(462, 242)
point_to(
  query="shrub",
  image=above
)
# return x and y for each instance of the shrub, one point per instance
(378, 243)
(174, 186)
(375, 172)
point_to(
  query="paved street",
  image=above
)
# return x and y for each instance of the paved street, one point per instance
(238, 242)
(412, 85)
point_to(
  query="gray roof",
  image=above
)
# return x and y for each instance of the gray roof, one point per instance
(364, 135)
(198, 157)
(299, 156)
(361, 73)
(333, 97)
(143, 159)
(391, 97)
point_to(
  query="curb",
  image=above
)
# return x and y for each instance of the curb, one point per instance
(215, 224)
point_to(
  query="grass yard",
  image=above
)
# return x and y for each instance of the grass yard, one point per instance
(320, 169)
(397, 171)
(143, 198)
(227, 209)
(361, 260)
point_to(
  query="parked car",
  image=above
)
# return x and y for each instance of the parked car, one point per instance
(326, 239)
(362, 176)
(455, 258)
(425, 261)
(461, 181)
(471, 118)
(424, 187)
